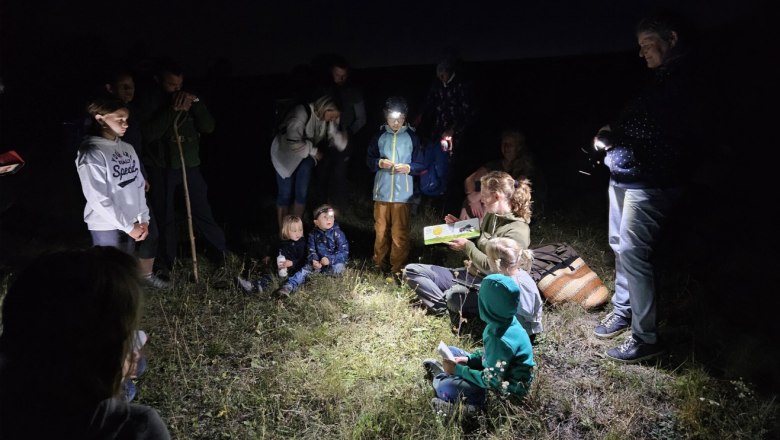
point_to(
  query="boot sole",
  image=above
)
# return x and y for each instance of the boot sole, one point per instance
(609, 335)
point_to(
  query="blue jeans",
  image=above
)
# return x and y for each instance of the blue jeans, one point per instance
(636, 218)
(299, 181)
(453, 388)
(302, 275)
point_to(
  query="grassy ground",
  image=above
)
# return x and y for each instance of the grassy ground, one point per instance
(342, 359)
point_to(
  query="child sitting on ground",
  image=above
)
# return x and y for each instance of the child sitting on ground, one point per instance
(292, 247)
(327, 249)
(505, 256)
(505, 366)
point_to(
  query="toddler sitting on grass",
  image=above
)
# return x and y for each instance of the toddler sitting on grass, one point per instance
(293, 247)
(327, 249)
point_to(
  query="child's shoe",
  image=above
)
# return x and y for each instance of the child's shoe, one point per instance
(245, 285)
(262, 283)
(283, 292)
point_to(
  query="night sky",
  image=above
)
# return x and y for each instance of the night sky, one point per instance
(265, 37)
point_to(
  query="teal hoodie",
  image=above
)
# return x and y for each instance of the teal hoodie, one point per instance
(506, 365)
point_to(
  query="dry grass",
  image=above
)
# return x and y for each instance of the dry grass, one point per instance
(342, 360)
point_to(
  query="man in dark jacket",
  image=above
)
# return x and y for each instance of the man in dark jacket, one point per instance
(160, 111)
(647, 148)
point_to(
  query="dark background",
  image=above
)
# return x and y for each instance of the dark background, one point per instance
(557, 70)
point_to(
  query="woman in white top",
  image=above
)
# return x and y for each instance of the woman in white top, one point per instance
(297, 148)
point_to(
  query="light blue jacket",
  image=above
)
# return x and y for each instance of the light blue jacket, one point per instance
(402, 147)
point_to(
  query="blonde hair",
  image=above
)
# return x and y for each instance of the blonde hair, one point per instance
(324, 104)
(505, 254)
(518, 192)
(287, 223)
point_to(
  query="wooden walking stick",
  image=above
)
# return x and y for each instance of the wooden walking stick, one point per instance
(176, 125)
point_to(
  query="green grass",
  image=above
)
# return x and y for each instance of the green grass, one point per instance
(341, 359)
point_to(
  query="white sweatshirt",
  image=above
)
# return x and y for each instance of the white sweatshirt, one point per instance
(110, 174)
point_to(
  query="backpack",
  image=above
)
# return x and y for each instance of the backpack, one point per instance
(433, 179)
(283, 109)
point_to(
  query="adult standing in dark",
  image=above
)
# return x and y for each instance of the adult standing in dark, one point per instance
(160, 110)
(332, 171)
(646, 150)
(450, 110)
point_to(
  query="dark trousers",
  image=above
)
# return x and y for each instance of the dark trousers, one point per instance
(164, 183)
(330, 178)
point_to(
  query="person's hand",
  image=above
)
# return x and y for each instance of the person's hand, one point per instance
(449, 366)
(324, 261)
(457, 244)
(130, 366)
(449, 219)
(475, 203)
(139, 232)
(316, 265)
(461, 360)
(182, 101)
(287, 263)
(147, 186)
(402, 168)
(385, 164)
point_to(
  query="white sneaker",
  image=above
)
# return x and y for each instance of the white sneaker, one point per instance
(156, 282)
(245, 285)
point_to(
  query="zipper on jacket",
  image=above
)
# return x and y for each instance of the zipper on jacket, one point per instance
(392, 172)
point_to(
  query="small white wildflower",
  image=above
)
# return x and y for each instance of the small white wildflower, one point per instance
(504, 384)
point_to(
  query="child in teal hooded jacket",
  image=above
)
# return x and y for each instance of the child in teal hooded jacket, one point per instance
(506, 362)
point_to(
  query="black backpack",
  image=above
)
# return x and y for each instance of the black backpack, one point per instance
(283, 109)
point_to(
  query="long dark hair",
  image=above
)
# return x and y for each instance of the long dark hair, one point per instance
(68, 322)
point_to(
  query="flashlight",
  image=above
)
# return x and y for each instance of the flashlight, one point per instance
(446, 143)
(395, 115)
(602, 140)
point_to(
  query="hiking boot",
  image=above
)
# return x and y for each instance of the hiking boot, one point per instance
(634, 350)
(446, 410)
(155, 282)
(611, 326)
(245, 285)
(283, 292)
(432, 368)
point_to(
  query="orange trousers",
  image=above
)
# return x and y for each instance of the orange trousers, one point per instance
(391, 222)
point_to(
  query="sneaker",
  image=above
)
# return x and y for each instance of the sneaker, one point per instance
(634, 350)
(155, 282)
(245, 285)
(446, 410)
(432, 368)
(611, 326)
(283, 292)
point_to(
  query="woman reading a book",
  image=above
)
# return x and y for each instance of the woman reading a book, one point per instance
(507, 206)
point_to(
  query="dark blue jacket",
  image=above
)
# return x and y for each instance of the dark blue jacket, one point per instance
(331, 243)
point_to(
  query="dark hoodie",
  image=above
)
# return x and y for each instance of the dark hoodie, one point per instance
(507, 362)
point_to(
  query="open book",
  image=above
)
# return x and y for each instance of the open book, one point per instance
(444, 351)
(446, 232)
